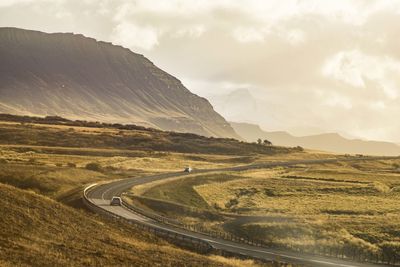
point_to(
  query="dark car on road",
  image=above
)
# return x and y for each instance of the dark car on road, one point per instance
(116, 201)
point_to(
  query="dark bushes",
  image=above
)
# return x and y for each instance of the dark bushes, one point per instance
(93, 166)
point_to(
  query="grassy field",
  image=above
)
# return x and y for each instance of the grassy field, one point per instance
(353, 205)
(38, 231)
(340, 204)
(54, 131)
(50, 155)
(45, 165)
(183, 190)
(55, 172)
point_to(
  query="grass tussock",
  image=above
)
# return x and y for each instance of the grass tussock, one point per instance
(235, 262)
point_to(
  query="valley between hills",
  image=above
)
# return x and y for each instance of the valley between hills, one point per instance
(44, 173)
(84, 123)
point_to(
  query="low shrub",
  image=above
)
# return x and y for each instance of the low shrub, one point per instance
(93, 166)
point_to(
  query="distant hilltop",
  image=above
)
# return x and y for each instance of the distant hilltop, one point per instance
(331, 142)
(76, 77)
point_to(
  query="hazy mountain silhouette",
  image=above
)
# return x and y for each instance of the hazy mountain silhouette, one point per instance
(77, 77)
(332, 142)
(235, 105)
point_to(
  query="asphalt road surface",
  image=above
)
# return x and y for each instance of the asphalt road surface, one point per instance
(100, 195)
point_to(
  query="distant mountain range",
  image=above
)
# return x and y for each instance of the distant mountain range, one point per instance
(76, 77)
(331, 142)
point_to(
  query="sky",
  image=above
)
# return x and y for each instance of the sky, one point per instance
(306, 67)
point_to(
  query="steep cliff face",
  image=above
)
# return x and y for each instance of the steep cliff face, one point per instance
(77, 77)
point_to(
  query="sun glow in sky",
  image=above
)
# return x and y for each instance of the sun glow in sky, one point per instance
(303, 66)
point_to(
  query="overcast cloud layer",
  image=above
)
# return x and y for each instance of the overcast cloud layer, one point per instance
(304, 66)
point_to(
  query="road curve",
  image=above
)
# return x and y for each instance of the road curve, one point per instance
(100, 196)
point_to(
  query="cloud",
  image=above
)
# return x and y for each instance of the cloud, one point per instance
(249, 34)
(8, 3)
(295, 37)
(133, 36)
(191, 31)
(354, 67)
(11, 3)
(331, 65)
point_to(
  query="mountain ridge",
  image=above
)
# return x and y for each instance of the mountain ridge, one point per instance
(78, 77)
(331, 142)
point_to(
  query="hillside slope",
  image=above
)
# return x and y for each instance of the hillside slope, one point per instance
(37, 231)
(332, 142)
(56, 132)
(77, 77)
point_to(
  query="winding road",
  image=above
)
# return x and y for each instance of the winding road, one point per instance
(100, 196)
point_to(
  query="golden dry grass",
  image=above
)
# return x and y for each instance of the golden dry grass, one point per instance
(50, 160)
(54, 173)
(37, 231)
(48, 132)
(352, 204)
